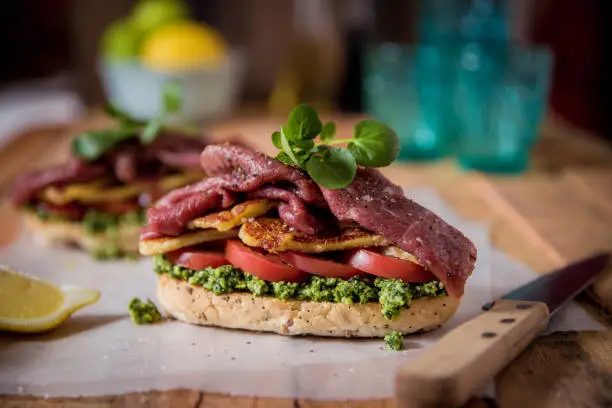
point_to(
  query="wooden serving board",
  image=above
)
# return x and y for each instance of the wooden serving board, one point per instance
(559, 211)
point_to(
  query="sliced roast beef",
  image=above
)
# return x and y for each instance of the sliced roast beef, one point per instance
(292, 209)
(27, 185)
(239, 170)
(127, 162)
(125, 165)
(245, 170)
(177, 150)
(132, 162)
(380, 206)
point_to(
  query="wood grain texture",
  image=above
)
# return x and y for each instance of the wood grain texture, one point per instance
(582, 378)
(572, 186)
(448, 373)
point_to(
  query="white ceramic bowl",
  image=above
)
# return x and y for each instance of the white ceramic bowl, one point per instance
(207, 92)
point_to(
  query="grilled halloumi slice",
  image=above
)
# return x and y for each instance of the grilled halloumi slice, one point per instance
(98, 191)
(396, 252)
(238, 215)
(214, 226)
(273, 235)
(169, 244)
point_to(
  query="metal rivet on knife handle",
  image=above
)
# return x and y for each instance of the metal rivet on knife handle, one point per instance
(488, 335)
(510, 320)
(523, 306)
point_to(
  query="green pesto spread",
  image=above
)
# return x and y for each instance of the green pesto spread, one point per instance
(393, 295)
(97, 222)
(144, 312)
(394, 340)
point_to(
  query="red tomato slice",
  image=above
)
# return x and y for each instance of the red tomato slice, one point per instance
(319, 266)
(196, 259)
(388, 267)
(71, 211)
(265, 266)
(117, 208)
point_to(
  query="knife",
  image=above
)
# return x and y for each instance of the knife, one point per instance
(452, 370)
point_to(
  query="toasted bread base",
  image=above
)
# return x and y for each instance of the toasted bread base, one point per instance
(72, 233)
(196, 305)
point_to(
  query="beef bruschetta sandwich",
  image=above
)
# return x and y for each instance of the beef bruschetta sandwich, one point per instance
(315, 241)
(96, 200)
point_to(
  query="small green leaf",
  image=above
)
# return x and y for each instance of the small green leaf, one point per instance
(302, 158)
(304, 145)
(284, 157)
(328, 132)
(276, 140)
(374, 145)
(303, 123)
(172, 97)
(334, 168)
(149, 133)
(320, 149)
(287, 147)
(93, 144)
(121, 116)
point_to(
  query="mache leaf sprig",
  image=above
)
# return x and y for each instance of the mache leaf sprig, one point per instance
(92, 145)
(373, 144)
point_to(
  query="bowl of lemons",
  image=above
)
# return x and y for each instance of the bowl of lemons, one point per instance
(160, 42)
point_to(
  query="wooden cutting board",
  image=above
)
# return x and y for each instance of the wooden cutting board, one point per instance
(557, 212)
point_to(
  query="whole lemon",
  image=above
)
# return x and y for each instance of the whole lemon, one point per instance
(121, 41)
(183, 45)
(151, 14)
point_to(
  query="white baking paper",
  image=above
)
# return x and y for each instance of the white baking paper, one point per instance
(99, 351)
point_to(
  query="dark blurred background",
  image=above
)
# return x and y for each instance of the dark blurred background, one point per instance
(59, 38)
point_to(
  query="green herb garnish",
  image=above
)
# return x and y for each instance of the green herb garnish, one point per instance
(394, 340)
(91, 145)
(373, 145)
(144, 312)
(171, 95)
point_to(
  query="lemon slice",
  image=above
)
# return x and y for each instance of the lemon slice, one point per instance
(30, 305)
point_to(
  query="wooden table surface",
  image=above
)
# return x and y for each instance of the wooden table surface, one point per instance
(558, 211)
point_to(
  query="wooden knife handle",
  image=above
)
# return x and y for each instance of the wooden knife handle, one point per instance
(449, 372)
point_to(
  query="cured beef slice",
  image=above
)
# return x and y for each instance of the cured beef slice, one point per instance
(380, 206)
(238, 170)
(127, 162)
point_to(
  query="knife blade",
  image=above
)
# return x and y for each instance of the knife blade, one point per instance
(562, 285)
(452, 370)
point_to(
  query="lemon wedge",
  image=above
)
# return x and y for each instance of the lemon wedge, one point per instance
(30, 305)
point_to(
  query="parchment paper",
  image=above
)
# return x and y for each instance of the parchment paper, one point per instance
(99, 351)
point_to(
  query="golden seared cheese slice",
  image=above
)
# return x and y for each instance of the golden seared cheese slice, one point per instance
(396, 252)
(98, 191)
(273, 235)
(169, 244)
(238, 215)
(211, 227)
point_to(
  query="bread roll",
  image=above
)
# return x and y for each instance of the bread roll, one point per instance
(54, 232)
(196, 305)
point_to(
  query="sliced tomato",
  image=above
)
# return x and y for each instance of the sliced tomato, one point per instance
(118, 207)
(71, 211)
(197, 259)
(268, 267)
(388, 267)
(320, 266)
